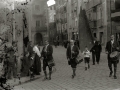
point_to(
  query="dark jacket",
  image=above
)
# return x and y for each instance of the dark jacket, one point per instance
(98, 48)
(93, 49)
(47, 55)
(68, 52)
(109, 47)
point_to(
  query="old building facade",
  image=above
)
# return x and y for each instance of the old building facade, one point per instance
(115, 19)
(96, 11)
(39, 21)
(67, 17)
(61, 20)
(52, 24)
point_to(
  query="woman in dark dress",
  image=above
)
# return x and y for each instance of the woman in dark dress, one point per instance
(37, 62)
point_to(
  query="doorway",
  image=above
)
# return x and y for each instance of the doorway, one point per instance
(38, 39)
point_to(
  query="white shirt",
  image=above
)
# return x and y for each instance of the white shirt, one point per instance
(36, 50)
(46, 48)
(112, 41)
(86, 53)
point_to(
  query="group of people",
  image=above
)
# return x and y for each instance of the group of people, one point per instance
(31, 61)
(33, 58)
(112, 50)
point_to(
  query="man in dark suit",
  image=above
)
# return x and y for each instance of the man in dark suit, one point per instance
(112, 46)
(72, 53)
(93, 51)
(98, 50)
(47, 52)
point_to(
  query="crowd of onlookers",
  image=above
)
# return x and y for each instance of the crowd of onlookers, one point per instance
(65, 43)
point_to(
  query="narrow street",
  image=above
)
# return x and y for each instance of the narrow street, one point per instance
(96, 78)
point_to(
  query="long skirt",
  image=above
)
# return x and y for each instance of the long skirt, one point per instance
(37, 65)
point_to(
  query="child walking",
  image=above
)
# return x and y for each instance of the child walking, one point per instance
(86, 54)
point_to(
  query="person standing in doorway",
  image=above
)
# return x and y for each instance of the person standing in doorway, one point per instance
(112, 46)
(72, 53)
(47, 56)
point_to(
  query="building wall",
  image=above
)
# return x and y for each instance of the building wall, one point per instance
(61, 19)
(70, 26)
(39, 15)
(115, 16)
(52, 23)
(97, 15)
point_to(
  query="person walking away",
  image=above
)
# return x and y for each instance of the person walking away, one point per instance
(86, 54)
(93, 54)
(46, 54)
(55, 43)
(98, 50)
(72, 53)
(37, 62)
(112, 46)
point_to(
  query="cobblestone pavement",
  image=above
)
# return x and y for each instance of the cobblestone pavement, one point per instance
(96, 78)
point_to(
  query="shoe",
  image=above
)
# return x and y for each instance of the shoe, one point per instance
(73, 76)
(45, 79)
(110, 74)
(93, 63)
(85, 68)
(49, 78)
(115, 77)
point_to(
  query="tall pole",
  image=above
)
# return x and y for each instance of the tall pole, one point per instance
(110, 18)
(13, 21)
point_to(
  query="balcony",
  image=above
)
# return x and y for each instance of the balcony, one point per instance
(115, 15)
(41, 29)
(97, 2)
(100, 23)
(93, 24)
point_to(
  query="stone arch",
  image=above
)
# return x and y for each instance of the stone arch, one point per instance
(38, 38)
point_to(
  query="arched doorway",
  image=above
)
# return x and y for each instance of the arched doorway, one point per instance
(38, 39)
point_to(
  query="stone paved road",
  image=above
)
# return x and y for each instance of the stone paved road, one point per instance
(96, 78)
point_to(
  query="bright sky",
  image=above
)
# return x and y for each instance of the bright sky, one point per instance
(50, 2)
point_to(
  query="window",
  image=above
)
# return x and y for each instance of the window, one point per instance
(95, 35)
(37, 23)
(99, 13)
(37, 8)
(117, 4)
